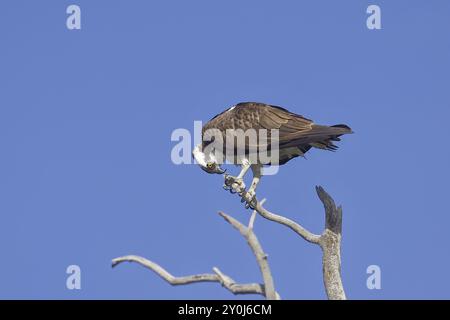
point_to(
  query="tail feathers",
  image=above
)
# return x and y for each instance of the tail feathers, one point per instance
(344, 127)
(328, 134)
(326, 145)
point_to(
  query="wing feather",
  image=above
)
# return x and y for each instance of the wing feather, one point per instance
(294, 130)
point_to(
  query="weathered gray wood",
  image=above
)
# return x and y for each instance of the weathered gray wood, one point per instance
(261, 257)
(329, 241)
(218, 276)
(267, 289)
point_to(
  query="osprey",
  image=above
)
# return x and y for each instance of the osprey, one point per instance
(287, 136)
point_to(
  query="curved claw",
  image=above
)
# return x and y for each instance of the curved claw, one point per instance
(250, 201)
(253, 203)
(226, 187)
(232, 191)
(250, 205)
(228, 180)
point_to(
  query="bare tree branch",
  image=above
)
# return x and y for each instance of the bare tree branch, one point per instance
(329, 241)
(251, 222)
(261, 257)
(237, 288)
(305, 234)
(218, 276)
(267, 289)
(205, 277)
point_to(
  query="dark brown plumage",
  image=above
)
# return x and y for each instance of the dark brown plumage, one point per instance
(297, 134)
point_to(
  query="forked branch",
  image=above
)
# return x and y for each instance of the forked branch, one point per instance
(261, 257)
(329, 241)
(217, 276)
(267, 289)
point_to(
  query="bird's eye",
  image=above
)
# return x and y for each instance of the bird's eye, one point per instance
(210, 165)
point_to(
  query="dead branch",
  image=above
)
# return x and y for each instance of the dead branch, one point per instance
(329, 241)
(267, 289)
(218, 276)
(261, 257)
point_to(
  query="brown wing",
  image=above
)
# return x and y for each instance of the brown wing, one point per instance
(294, 130)
(298, 131)
(253, 115)
(291, 126)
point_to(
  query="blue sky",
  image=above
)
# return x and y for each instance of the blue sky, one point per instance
(86, 118)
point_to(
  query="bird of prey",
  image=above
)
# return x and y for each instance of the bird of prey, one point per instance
(295, 135)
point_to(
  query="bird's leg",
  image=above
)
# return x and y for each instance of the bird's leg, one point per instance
(250, 196)
(236, 184)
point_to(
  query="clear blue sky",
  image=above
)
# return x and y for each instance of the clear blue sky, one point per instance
(86, 118)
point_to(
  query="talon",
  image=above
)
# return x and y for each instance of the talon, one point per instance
(250, 200)
(253, 203)
(228, 180)
(234, 184)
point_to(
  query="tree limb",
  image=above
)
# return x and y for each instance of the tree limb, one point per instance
(297, 228)
(329, 241)
(205, 277)
(267, 289)
(218, 276)
(261, 257)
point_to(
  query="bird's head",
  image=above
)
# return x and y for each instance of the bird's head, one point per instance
(207, 162)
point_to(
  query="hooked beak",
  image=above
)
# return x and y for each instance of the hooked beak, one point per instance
(217, 170)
